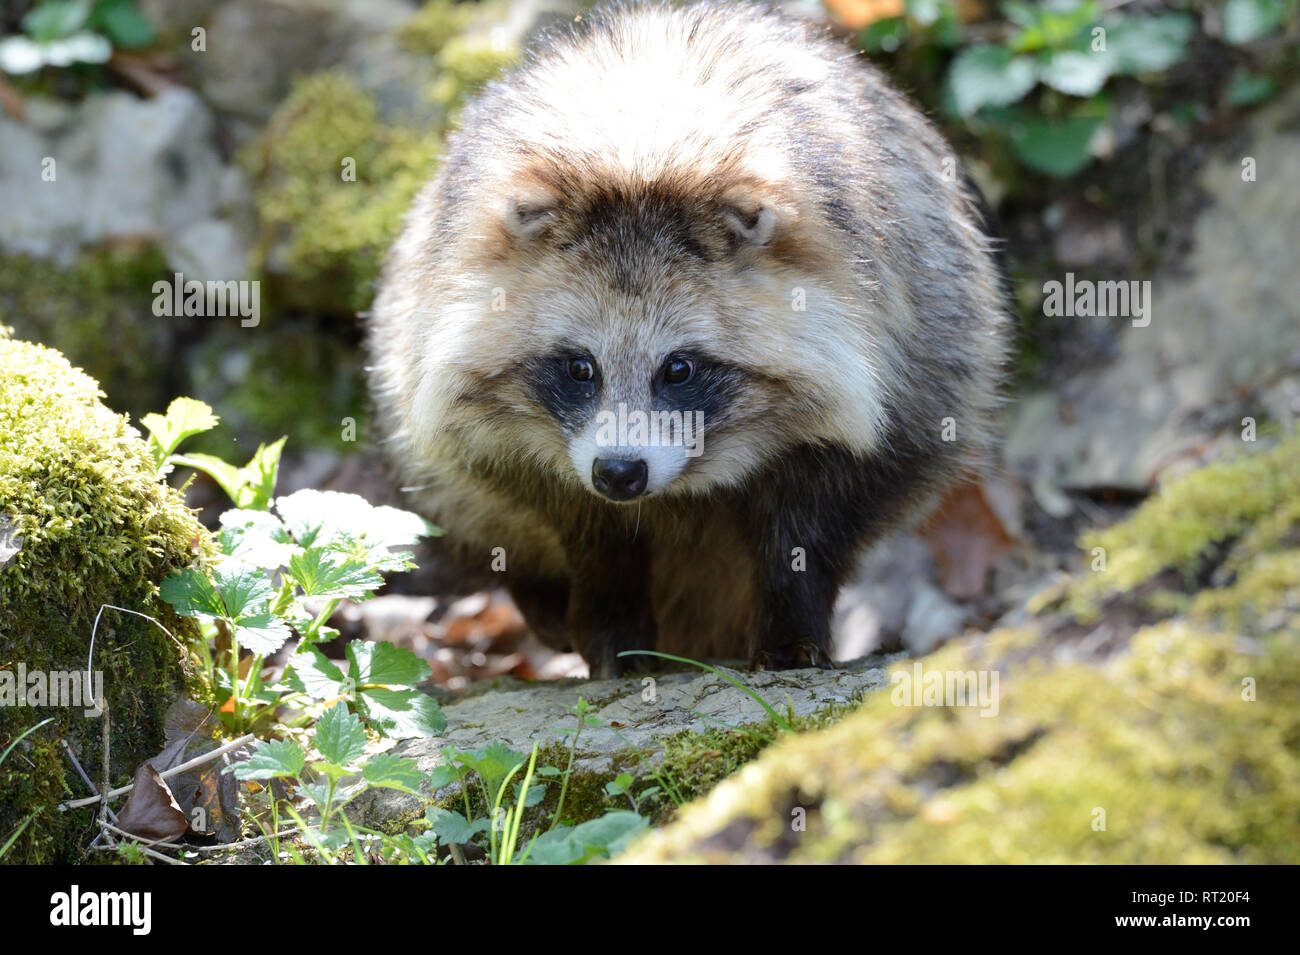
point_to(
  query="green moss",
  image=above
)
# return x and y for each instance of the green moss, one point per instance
(1183, 528)
(1186, 744)
(466, 64)
(1162, 742)
(437, 22)
(323, 238)
(328, 234)
(77, 487)
(97, 312)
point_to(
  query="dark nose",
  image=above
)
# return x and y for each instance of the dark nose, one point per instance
(619, 480)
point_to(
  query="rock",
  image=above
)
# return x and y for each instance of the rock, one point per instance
(78, 486)
(125, 169)
(210, 250)
(635, 715)
(1147, 714)
(873, 608)
(11, 542)
(931, 619)
(256, 47)
(1224, 334)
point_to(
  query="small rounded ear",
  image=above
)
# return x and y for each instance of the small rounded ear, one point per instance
(528, 218)
(753, 224)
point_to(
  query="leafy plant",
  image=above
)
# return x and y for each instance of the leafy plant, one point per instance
(1037, 80)
(1245, 21)
(284, 566)
(66, 32)
(494, 767)
(338, 747)
(621, 785)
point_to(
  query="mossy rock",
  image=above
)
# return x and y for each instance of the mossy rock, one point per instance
(85, 523)
(333, 178)
(97, 312)
(1159, 724)
(332, 183)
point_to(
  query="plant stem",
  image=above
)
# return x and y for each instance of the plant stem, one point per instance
(568, 771)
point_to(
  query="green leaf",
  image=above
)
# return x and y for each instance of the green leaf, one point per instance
(255, 537)
(402, 714)
(536, 793)
(1058, 148)
(884, 35)
(1147, 44)
(228, 477)
(310, 672)
(261, 633)
(493, 763)
(123, 23)
(619, 785)
(925, 12)
(259, 476)
(385, 663)
(1054, 26)
(250, 486)
(340, 737)
(1247, 89)
(244, 588)
(1247, 20)
(989, 76)
(272, 759)
(324, 574)
(452, 828)
(1020, 13)
(1078, 74)
(320, 518)
(56, 19)
(185, 417)
(444, 775)
(319, 791)
(393, 772)
(191, 593)
(598, 838)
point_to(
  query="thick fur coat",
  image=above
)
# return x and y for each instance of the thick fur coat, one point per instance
(712, 210)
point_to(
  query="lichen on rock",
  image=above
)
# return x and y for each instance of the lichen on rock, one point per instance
(78, 488)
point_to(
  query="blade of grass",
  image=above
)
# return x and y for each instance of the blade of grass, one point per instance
(776, 717)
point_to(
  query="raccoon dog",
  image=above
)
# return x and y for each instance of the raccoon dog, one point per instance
(696, 307)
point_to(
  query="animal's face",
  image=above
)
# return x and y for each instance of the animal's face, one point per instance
(648, 340)
(637, 387)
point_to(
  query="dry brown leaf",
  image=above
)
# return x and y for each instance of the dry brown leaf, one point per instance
(151, 811)
(966, 537)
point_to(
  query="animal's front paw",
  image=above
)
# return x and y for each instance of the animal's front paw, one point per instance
(799, 655)
(604, 661)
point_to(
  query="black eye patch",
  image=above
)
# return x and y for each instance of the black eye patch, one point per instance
(711, 388)
(551, 380)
